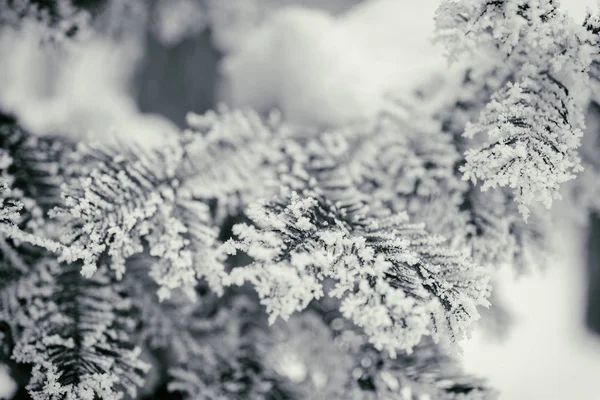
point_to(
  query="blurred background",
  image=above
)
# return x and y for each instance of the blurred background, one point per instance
(324, 62)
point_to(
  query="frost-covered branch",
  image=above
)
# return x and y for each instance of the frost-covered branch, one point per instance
(76, 333)
(169, 200)
(395, 281)
(535, 121)
(231, 157)
(128, 202)
(534, 132)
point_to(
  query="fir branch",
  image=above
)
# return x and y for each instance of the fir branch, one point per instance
(127, 202)
(37, 163)
(534, 131)
(392, 277)
(230, 157)
(78, 336)
(534, 123)
(169, 199)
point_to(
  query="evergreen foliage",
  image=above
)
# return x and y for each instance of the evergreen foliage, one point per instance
(394, 279)
(77, 333)
(249, 258)
(534, 123)
(124, 203)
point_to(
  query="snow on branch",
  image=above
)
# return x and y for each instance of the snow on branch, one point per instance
(231, 157)
(534, 123)
(76, 333)
(396, 282)
(125, 203)
(534, 31)
(534, 131)
(169, 200)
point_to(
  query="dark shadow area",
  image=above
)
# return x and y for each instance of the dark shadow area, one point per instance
(172, 81)
(592, 312)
